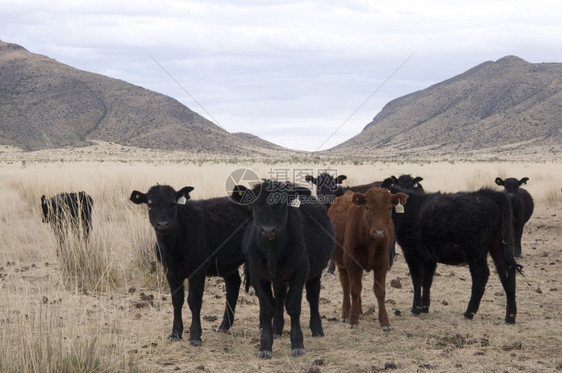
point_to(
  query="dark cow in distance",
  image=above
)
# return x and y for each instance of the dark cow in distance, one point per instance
(458, 228)
(287, 246)
(196, 239)
(364, 238)
(405, 182)
(68, 211)
(522, 205)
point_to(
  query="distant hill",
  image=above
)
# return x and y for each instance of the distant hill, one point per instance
(46, 104)
(493, 106)
(257, 141)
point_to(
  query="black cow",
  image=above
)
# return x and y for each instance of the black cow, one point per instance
(286, 247)
(522, 205)
(456, 229)
(196, 239)
(68, 211)
(405, 182)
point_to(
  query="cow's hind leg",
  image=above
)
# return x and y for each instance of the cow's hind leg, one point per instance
(346, 304)
(232, 283)
(280, 293)
(428, 272)
(416, 273)
(480, 273)
(313, 298)
(507, 277)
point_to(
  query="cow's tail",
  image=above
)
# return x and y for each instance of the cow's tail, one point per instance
(507, 229)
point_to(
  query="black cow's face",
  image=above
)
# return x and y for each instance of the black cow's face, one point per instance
(408, 182)
(511, 185)
(162, 201)
(326, 185)
(271, 208)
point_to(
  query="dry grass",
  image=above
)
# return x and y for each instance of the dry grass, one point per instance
(118, 317)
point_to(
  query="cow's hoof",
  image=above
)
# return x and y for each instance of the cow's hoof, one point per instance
(510, 319)
(413, 314)
(344, 320)
(262, 354)
(386, 328)
(468, 316)
(298, 352)
(318, 333)
(174, 337)
(352, 326)
(222, 330)
(195, 342)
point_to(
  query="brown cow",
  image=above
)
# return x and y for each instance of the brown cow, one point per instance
(364, 236)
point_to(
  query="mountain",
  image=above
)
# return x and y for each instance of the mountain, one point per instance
(506, 104)
(46, 104)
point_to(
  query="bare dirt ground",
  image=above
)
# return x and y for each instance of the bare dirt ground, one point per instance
(128, 323)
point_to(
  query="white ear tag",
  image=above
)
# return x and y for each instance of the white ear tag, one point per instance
(182, 200)
(399, 208)
(296, 203)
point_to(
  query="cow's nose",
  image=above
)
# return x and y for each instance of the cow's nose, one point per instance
(377, 233)
(268, 232)
(163, 227)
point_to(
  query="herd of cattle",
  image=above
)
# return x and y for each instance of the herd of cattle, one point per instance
(285, 238)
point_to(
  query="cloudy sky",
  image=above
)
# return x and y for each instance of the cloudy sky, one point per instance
(303, 74)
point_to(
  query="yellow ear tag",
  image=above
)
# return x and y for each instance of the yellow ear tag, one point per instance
(240, 193)
(137, 196)
(182, 200)
(296, 203)
(399, 208)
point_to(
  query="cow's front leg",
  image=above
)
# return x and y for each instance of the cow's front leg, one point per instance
(178, 296)
(195, 300)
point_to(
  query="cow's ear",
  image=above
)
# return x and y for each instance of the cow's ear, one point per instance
(386, 183)
(417, 180)
(399, 198)
(137, 197)
(358, 199)
(499, 181)
(184, 193)
(310, 179)
(43, 200)
(340, 178)
(523, 181)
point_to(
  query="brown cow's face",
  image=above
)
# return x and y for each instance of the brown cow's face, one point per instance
(377, 206)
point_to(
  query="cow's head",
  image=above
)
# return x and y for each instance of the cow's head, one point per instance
(271, 201)
(511, 185)
(327, 186)
(162, 201)
(377, 206)
(406, 182)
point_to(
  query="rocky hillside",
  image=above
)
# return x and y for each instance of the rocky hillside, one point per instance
(46, 104)
(506, 104)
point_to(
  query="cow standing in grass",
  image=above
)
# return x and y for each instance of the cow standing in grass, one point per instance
(456, 229)
(328, 188)
(287, 246)
(68, 212)
(196, 239)
(364, 239)
(522, 205)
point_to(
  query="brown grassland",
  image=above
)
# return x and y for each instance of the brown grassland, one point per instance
(104, 308)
